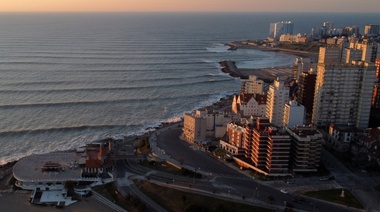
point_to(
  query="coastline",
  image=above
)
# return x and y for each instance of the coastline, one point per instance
(234, 45)
(266, 74)
(227, 66)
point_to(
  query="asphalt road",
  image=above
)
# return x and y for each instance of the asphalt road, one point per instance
(224, 179)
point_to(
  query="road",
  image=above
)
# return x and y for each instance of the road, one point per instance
(222, 180)
(227, 180)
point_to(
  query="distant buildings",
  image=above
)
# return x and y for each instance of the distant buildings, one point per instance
(371, 29)
(280, 28)
(328, 28)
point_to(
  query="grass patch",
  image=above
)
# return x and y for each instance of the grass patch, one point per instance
(130, 202)
(219, 152)
(161, 166)
(333, 195)
(143, 145)
(176, 200)
(166, 167)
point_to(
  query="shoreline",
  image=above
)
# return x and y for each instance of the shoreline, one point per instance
(235, 45)
(266, 74)
(226, 66)
(148, 131)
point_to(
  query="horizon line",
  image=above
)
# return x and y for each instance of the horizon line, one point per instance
(280, 12)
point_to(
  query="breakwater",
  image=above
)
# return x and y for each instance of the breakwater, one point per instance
(228, 66)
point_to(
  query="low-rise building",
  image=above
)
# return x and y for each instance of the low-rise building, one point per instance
(47, 173)
(249, 104)
(366, 149)
(341, 136)
(202, 125)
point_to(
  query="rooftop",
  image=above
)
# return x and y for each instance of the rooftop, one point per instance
(30, 168)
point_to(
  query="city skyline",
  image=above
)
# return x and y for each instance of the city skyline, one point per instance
(339, 6)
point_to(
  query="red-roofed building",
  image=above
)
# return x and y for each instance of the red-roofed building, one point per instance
(250, 104)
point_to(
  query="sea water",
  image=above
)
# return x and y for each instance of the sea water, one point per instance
(67, 79)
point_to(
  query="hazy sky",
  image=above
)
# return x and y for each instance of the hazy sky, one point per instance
(192, 5)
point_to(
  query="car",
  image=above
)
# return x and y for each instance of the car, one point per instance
(284, 191)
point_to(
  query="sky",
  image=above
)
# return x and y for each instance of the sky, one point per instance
(190, 6)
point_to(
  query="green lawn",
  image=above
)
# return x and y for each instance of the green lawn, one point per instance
(334, 195)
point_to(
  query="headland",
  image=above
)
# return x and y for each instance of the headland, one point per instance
(267, 74)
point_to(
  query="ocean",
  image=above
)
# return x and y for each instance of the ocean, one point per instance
(67, 79)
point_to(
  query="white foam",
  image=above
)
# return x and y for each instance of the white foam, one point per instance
(219, 48)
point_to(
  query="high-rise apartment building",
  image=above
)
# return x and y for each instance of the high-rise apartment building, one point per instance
(306, 88)
(370, 51)
(349, 55)
(351, 30)
(277, 97)
(294, 114)
(251, 134)
(330, 55)
(376, 91)
(343, 93)
(301, 65)
(278, 155)
(267, 149)
(375, 105)
(328, 27)
(305, 153)
(280, 28)
(371, 29)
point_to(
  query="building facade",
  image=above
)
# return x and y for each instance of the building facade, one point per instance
(306, 88)
(202, 125)
(280, 28)
(252, 86)
(306, 147)
(249, 104)
(371, 29)
(277, 97)
(343, 94)
(294, 114)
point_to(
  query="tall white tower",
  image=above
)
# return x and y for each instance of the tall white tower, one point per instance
(278, 96)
